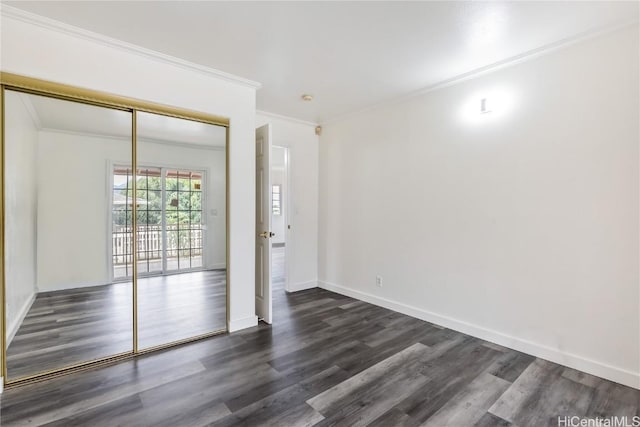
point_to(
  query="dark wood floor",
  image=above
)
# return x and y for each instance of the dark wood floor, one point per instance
(327, 360)
(63, 328)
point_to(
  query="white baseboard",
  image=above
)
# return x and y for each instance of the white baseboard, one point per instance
(13, 327)
(217, 266)
(67, 286)
(238, 324)
(599, 369)
(303, 286)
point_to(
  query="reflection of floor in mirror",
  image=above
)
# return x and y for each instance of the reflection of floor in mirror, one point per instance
(277, 269)
(155, 265)
(66, 327)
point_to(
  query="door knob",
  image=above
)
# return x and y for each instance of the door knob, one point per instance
(267, 234)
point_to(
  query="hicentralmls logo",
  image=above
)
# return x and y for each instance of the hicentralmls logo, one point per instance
(575, 421)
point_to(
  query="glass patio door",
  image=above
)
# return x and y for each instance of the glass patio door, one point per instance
(151, 231)
(170, 233)
(183, 220)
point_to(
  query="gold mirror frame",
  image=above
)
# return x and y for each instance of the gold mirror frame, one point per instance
(34, 86)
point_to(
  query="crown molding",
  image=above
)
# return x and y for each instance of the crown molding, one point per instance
(192, 145)
(488, 69)
(286, 118)
(61, 27)
(85, 134)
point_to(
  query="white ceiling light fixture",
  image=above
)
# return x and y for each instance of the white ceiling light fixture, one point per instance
(489, 105)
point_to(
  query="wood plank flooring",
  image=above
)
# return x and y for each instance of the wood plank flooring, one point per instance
(327, 360)
(63, 328)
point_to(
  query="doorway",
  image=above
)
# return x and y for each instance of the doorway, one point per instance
(273, 222)
(280, 190)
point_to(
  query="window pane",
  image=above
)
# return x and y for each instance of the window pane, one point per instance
(196, 201)
(196, 217)
(153, 200)
(184, 182)
(184, 200)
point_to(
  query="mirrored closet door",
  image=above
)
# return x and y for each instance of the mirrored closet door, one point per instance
(114, 227)
(68, 233)
(181, 233)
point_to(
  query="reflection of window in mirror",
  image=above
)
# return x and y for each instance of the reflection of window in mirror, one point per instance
(276, 197)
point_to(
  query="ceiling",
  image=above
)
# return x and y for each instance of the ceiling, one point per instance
(54, 114)
(349, 55)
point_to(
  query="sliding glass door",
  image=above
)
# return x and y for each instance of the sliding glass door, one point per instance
(183, 219)
(170, 233)
(150, 232)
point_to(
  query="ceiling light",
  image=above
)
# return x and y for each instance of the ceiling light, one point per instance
(489, 105)
(307, 97)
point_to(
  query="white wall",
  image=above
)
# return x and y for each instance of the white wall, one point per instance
(302, 242)
(95, 63)
(519, 226)
(279, 177)
(72, 208)
(73, 203)
(21, 140)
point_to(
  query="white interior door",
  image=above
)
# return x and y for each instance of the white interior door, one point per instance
(263, 223)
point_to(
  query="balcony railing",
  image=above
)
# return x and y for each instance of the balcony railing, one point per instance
(180, 242)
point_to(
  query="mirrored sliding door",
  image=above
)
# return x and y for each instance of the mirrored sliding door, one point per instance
(181, 229)
(64, 305)
(114, 227)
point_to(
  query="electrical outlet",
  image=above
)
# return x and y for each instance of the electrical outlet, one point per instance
(379, 281)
